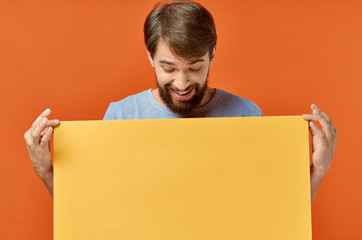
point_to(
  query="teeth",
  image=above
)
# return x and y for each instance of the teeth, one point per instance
(182, 93)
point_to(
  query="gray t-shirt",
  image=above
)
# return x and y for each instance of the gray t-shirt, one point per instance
(144, 106)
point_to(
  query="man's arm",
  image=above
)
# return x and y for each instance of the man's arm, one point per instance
(316, 178)
(47, 178)
(37, 141)
(323, 146)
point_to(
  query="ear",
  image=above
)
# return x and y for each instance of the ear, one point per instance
(150, 58)
(213, 55)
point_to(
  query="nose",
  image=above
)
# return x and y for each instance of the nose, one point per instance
(181, 81)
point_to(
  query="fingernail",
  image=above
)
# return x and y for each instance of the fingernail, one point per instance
(312, 124)
(56, 121)
(47, 110)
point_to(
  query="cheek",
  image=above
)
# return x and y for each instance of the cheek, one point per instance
(200, 77)
(162, 77)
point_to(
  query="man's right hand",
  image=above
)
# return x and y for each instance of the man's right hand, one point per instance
(37, 141)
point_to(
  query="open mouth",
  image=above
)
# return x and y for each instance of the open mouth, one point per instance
(182, 95)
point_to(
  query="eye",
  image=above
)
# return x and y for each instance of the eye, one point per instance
(194, 70)
(169, 70)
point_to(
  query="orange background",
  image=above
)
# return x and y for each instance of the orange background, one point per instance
(76, 57)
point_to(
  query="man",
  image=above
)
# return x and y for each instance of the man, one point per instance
(180, 38)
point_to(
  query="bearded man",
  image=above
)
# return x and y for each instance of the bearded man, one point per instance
(180, 38)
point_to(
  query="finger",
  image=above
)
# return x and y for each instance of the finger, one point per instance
(315, 107)
(39, 128)
(310, 117)
(28, 138)
(320, 117)
(331, 130)
(335, 130)
(316, 130)
(50, 123)
(40, 117)
(326, 124)
(46, 137)
(43, 132)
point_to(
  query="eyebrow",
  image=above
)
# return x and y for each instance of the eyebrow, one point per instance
(190, 63)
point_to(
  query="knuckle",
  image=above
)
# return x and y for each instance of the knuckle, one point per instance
(29, 143)
(45, 140)
(330, 127)
(33, 135)
(322, 134)
(44, 122)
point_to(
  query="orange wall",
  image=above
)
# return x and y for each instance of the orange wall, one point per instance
(78, 56)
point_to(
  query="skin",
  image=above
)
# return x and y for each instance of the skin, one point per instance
(37, 141)
(182, 76)
(323, 146)
(183, 73)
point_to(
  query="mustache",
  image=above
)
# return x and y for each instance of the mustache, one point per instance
(195, 85)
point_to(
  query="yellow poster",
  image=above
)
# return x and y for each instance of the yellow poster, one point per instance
(182, 179)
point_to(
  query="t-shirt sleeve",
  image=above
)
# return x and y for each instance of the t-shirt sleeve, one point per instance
(252, 109)
(259, 112)
(110, 114)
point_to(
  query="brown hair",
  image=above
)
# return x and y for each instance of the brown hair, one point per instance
(187, 27)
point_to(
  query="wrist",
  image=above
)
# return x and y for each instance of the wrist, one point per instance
(317, 172)
(42, 172)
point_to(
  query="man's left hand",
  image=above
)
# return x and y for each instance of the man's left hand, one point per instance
(323, 140)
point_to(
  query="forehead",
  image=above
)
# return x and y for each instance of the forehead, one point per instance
(164, 53)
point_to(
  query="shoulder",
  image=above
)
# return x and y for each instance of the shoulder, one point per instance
(130, 100)
(237, 105)
(121, 109)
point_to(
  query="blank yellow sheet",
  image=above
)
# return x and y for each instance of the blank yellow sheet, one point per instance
(182, 179)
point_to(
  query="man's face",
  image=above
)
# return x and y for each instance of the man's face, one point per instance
(181, 83)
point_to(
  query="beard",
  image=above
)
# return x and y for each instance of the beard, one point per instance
(183, 108)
